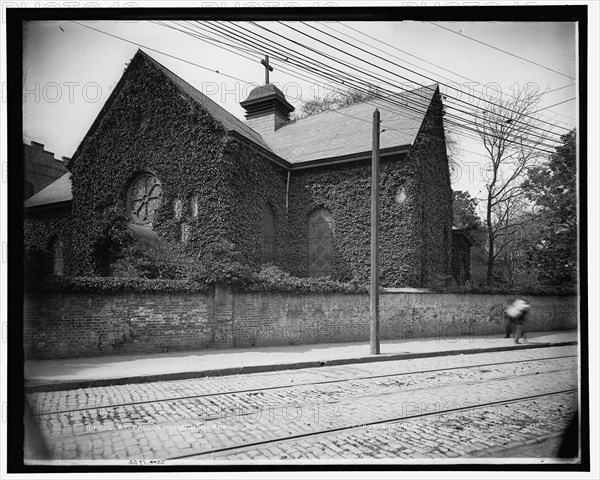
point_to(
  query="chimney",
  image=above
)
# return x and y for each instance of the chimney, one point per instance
(266, 109)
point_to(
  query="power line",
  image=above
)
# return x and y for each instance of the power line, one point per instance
(262, 40)
(393, 84)
(239, 79)
(220, 45)
(159, 51)
(211, 70)
(504, 51)
(559, 103)
(426, 61)
(347, 81)
(400, 66)
(195, 34)
(251, 43)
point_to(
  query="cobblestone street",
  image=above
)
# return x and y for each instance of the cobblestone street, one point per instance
(489, 405)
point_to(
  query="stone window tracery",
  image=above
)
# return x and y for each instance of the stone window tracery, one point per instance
(143, 198)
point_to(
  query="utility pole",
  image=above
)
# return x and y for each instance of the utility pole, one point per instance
(375, 237)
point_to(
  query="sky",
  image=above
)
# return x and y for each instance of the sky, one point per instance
(70, 68)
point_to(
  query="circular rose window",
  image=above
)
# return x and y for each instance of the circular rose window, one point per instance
(143, 198)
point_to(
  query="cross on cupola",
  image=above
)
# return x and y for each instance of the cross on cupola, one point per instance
(268, 68)
(266, 106)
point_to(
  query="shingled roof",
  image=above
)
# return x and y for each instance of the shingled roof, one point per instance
(56, 194)
(337, 135)
(347, 131)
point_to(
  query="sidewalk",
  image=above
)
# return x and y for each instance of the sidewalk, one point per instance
(63, 374)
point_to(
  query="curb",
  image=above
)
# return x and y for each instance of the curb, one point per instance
(221, 372)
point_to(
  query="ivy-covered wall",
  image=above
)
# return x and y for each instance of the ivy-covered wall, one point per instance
(39, 230)
(434, 191)
(345, 190)
(415, 212)
(254, 181)
(149, 126)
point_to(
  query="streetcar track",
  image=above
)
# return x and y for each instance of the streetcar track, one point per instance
(300, 405)
(276, 387)
(367, 424)
(378, 394)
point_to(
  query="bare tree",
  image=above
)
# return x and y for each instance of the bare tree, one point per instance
(338, 98)
(514, 141)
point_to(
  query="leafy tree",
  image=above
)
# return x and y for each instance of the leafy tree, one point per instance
(464, 213)
(512, 267)
(553, 188)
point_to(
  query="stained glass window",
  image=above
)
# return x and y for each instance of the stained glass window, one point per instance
(320, 243)
(143, 198)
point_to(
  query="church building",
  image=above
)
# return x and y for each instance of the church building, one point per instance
(164, 160)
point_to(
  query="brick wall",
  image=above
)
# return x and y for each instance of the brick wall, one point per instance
(283, 319)
(72, 325)
(41, 168)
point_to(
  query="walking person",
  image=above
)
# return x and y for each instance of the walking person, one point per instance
(516, 313)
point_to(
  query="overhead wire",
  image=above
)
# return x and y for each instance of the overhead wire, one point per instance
(393, 84)
(238, 37)
(378, 40)
(347, 82)
(501, 50)
(337, 111)
(456, 123)
(559, 103)
(393, 63)
(224, 45)
(449, 121)
(201, 66)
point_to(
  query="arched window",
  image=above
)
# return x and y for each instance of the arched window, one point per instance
(320, 243)
(58, 262)
(143, 198)
(268, 234)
